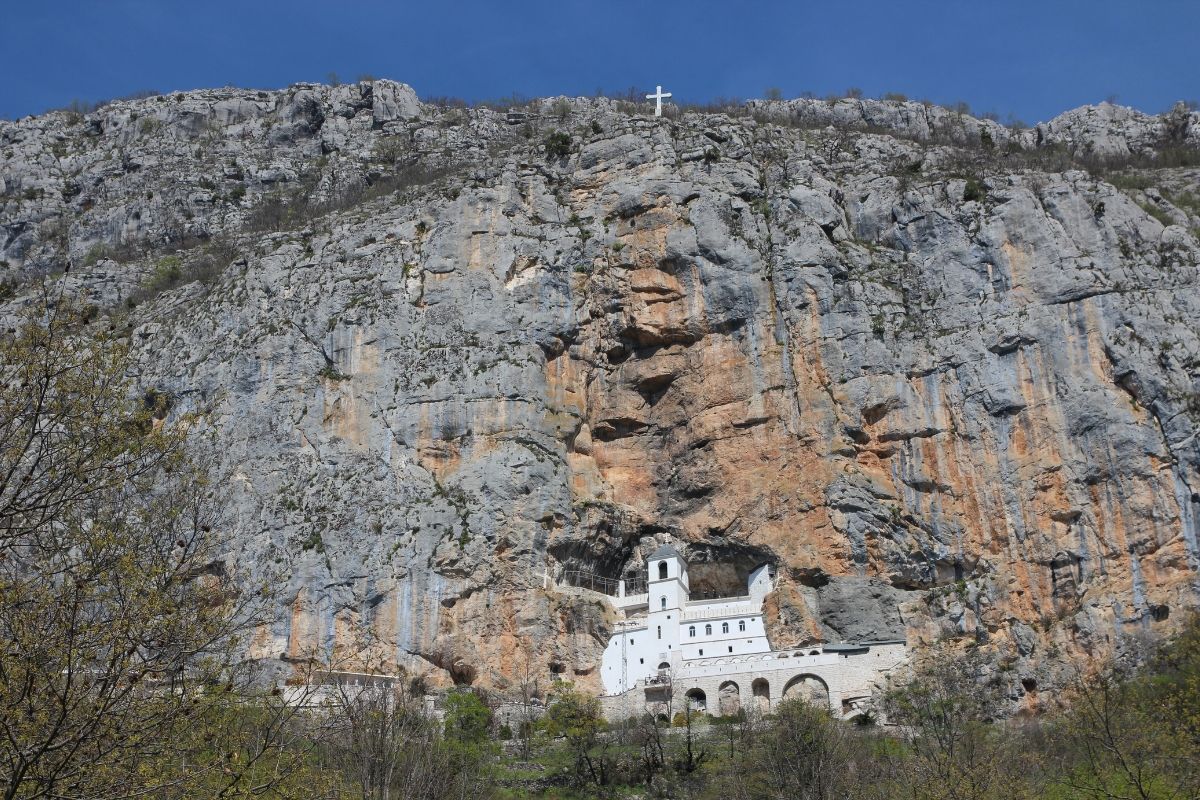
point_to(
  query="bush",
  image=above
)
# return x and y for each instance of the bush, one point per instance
(168, 273)
(95, 253)
(389, 150)
(77, 109)
(279, 211)
(562, 108)
(973, 191)
(558, 145)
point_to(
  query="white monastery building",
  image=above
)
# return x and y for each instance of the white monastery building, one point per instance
(714, 651)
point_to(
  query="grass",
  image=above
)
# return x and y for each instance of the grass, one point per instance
(331, 374)
(1158, 213)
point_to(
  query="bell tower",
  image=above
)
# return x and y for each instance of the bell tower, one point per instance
(667, 582)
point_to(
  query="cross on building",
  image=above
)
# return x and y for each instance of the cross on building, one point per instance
(657, 97)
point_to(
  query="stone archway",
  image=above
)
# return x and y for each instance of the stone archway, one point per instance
(807, 687)
(761, 690)
(729, 699)
(698, 699)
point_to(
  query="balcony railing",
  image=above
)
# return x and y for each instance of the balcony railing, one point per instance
(582, 579)
(591, 581)
(715, 595)
(636, 586)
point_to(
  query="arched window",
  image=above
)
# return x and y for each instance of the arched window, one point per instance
(708, 630)
(741, 624)
(660, 631)
(664, 602)
(724, 627)
(691, 630)
(662, 570)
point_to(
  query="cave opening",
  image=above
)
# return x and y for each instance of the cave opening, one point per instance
(722, 569)
(616, 548)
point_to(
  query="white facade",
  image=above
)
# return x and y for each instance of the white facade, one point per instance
(665, 629)
(715, 650)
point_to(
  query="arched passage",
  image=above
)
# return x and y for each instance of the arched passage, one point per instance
(729, 698)
(807, 687)
(698, 699)
(761, 690)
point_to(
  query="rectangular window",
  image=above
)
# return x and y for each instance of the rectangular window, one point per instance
(701, 651)
(731, 649)
(660, 631)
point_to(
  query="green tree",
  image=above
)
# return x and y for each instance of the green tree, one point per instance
(469, 748)
(1176, 686)
(384, 745)
(958, 751)
(467, 718)
(805, 753)
(577, 717)
(1138, 734)
(118, 616)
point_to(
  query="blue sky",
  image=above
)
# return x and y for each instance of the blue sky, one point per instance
(1032, 58)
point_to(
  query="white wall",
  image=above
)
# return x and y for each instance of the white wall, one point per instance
(640, 657)
(737, 642)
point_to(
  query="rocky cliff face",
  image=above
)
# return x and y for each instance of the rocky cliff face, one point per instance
(448, 356)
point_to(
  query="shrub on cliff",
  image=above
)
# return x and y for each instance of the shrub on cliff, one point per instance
(558, 145)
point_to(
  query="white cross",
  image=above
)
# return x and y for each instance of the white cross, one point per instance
(658, 98)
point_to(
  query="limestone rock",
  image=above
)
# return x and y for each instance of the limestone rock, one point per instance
(1112, 130)
(441, 370)
(788, 621)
